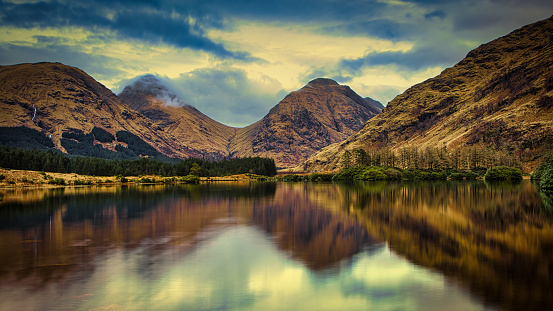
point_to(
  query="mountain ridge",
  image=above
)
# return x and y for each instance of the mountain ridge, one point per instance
(66, 104)
(499, 96)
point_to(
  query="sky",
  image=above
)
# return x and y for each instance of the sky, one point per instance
(235, 60)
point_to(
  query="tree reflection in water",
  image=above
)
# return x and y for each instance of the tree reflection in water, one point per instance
(494, 239)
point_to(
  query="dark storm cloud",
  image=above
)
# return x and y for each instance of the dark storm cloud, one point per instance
(143, 20)
(419, 58)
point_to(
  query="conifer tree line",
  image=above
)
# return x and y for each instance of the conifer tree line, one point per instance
(57, 162)
(429, 158)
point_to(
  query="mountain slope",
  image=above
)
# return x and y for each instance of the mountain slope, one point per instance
(184, 123)
(80, 116)
(321, 113)
(65, 103)
(499, 96)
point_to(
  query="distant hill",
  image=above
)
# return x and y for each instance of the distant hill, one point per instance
(321, 113)
(375, 103)
(499, 96)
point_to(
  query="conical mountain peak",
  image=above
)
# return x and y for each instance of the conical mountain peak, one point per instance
(322, 82)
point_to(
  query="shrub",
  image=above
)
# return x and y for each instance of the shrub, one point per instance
(320, 177)
(2, 177)
(438, 176)
(124, 179)
(293, 177)
(57, 181)
(82, 182)
(457, 176)
(372, 174)
(538, 172)
(146, 180)
(546, 180)
(11, 182)
(190, 179)
(470, 175)
(393, 174)
(503, 173)
(351, 173)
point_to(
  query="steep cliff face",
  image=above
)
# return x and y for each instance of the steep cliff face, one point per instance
(321, 113)
(56, 99)
(183, 123)
(499, 96)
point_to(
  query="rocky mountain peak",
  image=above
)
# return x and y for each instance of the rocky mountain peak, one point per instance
(149, 87)
(322, 82)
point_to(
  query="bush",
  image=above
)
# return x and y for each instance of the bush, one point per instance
(351, 173)
(546, 180)
(503, 173)
(457, 176)
(393, 174)
(536, 175)
(438, 176)
(79, 182)
(293, 177)
(190, 179)
(57, 181)
(124, 179)
(2, 177)
(372, 174)
(470, 175)
(320, 177)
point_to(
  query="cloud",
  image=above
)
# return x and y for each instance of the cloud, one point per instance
(227, 95)
(98, 66)
(437, 13)
(379, 46)
(149, 21)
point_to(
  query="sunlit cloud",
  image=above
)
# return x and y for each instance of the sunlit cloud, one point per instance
(379, 48)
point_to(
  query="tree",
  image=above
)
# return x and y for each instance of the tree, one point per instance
(346, 159)
(196, 170)
(359, 156)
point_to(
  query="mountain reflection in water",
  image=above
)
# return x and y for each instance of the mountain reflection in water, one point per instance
(494, 240)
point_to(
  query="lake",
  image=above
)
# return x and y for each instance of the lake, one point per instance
(277, 246)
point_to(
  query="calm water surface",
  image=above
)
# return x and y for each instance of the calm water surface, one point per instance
(278, 246)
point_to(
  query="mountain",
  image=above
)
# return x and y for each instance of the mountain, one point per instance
(184, 123)
(321, 113)
(51, 104)
(375, 103)
(499, 96)
(78, 114)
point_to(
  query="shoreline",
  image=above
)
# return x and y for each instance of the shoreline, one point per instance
(34, 179)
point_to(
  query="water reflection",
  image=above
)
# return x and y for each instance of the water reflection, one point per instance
(277, 246)
(496, 238)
